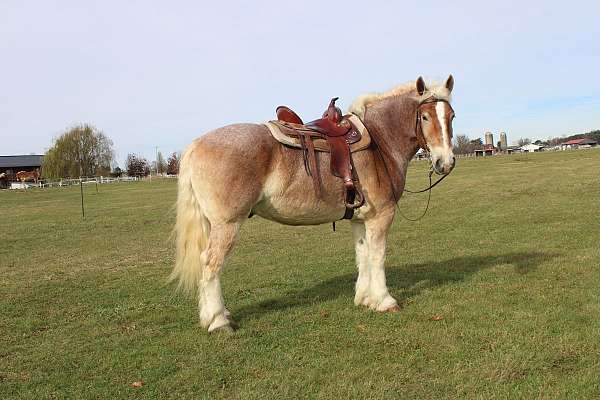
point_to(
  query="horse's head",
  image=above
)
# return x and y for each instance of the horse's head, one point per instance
(434, 126)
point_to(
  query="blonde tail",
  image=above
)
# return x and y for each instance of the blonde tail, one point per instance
(191, 230)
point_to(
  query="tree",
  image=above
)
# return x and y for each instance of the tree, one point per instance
(173, 164)
(82, 150)
(556, 141)
(117, 172)
(161, 165)
(477, 143)
(462, 145)
(137, 166)
(593, 135)
(523, 141)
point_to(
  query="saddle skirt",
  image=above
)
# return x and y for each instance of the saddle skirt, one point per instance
(287, 134)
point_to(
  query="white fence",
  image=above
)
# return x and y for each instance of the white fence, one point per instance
(73, 181)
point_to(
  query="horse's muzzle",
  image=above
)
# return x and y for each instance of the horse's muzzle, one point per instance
(443, 166)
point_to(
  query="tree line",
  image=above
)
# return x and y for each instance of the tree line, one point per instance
(84, 150)
(139, 166)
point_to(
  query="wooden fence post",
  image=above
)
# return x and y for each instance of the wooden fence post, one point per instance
(81, 190)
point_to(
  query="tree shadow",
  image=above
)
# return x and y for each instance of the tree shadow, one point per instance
(403, 282)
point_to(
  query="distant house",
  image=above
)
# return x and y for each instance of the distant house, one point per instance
(531, 148)
(10, 165)
(582, 143)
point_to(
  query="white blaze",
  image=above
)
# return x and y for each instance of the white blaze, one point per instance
(443, 153)
(440, 110)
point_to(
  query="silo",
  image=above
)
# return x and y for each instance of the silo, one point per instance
(503, 141)
(489, 139)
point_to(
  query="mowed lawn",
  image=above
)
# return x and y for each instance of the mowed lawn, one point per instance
(500, 287)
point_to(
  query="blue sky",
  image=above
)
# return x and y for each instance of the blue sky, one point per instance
(160, 74)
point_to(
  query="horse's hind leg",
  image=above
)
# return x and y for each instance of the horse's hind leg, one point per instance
(213, 314)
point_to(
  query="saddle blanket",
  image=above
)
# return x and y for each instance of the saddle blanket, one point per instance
(277, 130)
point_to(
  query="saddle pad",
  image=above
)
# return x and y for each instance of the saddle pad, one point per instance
(321, 144)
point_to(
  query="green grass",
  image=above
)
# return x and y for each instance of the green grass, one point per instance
(507, 256)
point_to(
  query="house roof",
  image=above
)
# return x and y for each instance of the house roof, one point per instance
(31, 160)
(581, 141)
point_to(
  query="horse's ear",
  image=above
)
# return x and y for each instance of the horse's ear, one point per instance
(450, 83)
(421, 86)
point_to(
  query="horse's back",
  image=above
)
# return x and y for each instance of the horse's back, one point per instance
(239, 137)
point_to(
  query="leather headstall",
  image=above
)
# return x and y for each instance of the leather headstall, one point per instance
(418, 128)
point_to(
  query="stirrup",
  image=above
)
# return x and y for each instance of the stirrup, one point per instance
(355, 204)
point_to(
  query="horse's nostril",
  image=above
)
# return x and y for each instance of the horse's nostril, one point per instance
(438, 164)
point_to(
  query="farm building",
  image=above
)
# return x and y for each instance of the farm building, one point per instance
(531, 148)
(578, 143)
(487, 150)
(10, 165)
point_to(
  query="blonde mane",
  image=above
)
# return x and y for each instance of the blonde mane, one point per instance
(359, 106)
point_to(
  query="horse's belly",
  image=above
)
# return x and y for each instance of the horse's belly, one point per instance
(299, 216)
(299, 207)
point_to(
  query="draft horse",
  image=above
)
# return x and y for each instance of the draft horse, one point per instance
(240, 170)
(26, 176)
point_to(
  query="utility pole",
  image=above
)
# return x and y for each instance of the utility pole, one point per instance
(156, 158)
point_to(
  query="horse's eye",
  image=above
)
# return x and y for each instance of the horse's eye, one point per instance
(425, 118)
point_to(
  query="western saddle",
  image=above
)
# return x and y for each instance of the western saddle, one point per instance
(339, 133)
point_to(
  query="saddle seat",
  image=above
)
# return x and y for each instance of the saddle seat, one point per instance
(330, 124)
(339, 134)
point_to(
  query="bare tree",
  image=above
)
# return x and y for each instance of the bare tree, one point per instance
(161, 165)
(462, 145)
(523, 141)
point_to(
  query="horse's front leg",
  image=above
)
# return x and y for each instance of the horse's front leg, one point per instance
(377, 230)
(361, 296)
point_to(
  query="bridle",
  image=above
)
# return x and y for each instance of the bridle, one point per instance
(418, 128)
(422, 142)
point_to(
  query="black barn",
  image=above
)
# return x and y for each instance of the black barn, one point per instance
(10, 165)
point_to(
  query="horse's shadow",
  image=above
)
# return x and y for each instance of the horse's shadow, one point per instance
(403, 282)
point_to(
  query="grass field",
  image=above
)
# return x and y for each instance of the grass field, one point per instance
(500, 287)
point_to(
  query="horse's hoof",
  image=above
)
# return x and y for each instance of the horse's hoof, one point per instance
(222, 330)
(393, 309)
(221, 324)
(388, 305)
